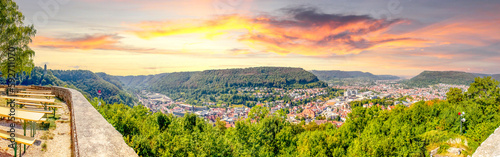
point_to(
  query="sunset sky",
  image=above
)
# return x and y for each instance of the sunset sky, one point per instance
(398, 37)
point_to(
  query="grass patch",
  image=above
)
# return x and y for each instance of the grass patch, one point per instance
(44, 146)
(443, 148)
(237, 106)
(47, 135)
(436, 136)
(56, 117)
(49, 124)
(58, 101)
(52, 123)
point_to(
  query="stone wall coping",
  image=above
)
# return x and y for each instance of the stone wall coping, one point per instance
(91, 134)
(490, 146)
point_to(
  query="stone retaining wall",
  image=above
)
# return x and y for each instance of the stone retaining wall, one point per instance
(91, 134)
(490, 146)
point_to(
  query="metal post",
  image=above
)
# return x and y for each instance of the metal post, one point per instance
(34, 129)
(15, 150)
(462, 120)
(24, 127)
(460, 126)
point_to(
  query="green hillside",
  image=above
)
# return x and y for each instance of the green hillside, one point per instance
(90, 83)
(36, 78)
(337, 74)
(427, 78)
(85, 81)
(212, 83)
(111, 79)
(253, 77)
(249, 77)
(337, 77)
(496, 76)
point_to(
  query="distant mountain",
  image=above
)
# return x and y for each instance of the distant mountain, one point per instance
(427, 78)
(111, 79)
(90, 83)
(143, 81)
(35, 78)
(496, 77)
(249, 77)
(85, 81)
(194, 84)
(337, 74)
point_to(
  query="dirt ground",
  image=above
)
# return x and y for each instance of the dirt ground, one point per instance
(51, 141)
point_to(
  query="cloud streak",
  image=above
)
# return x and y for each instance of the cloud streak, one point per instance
(94, 42)
(300, 30)
(87, 42)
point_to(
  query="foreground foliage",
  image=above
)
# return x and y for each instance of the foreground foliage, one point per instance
(403, 131)
(14, 33)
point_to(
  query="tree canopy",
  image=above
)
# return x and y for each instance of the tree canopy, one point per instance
(13, 33)
(402, 131)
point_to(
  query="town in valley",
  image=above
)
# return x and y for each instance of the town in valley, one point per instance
(318, 108)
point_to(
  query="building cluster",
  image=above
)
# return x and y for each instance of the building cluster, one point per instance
(394, 90)
(154, 101)
(333, 111)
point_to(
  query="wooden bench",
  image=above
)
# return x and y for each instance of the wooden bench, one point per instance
(29, 103)
(4, 90)
(36, 91)
(19, 138)
(32, 89)
(53, 107)
(37, 104)
(31, 110)
(45, 101)
(48, 96)
(23, 115)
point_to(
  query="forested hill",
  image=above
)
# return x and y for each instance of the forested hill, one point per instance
(85, 81)
(427, 78)
(203, 86)
(144, 81)
(280, 77)
(250, 77)
(328, 75)
(90, 83)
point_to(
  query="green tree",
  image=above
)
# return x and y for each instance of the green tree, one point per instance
(258, 112)
(485, 91)
(221, 125)
(455, 95)
(13, 33)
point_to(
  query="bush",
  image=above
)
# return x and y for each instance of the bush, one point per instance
(443, 148)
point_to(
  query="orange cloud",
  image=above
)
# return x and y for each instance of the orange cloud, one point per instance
(92, 42)
(303, 31)
(148, 30)
(105, 42)
(434, 55)
(462, 30)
